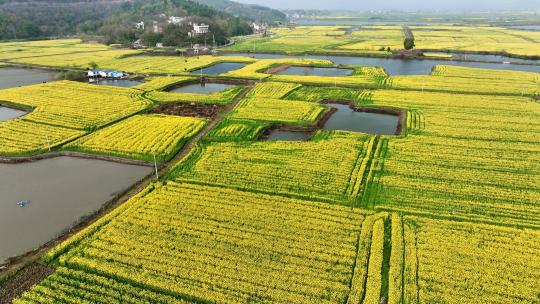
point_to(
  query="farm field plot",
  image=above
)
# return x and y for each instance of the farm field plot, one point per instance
(161, 83)
(470, 80)
(298, 40)
(304, 169)
(316, 94)
(472, 156)
(477, 38)
(21, 137)
(377, 38)
(278, 111)
(210, 244)
(494, 264)
(65, 108)
(231, 130)
(272, 89)
(27, 49)
(141, 137)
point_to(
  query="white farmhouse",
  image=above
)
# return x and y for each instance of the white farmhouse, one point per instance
(176, 20)
(199, 29)
(139, 25)
(259, 28)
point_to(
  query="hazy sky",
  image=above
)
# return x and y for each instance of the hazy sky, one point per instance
(400, 4)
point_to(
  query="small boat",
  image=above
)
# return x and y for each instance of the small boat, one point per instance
(506, 62)
(23, 203)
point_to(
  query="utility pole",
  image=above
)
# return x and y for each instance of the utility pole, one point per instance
(155, 166)
(48, 141)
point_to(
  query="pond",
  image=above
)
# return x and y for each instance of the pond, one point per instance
(219, 68)
(202, 88)
(352, 21)
(284, 135)
(312, 71)
(9, 113)
(399, 66)
(488, 58)
(526, 27)
(59, 192)
(347, 119)
(16, 77)
(125, 83)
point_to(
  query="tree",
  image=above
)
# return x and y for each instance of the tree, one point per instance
(176, 35)
(409, 43)
(150, 39)
(92, 65)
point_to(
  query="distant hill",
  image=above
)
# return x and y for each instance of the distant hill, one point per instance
(248, 11)
(112, 19)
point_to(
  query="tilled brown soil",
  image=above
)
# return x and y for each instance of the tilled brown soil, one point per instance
(187, 109)
(23, 281)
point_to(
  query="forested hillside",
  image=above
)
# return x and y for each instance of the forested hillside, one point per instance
(115, 20)
(249, 11)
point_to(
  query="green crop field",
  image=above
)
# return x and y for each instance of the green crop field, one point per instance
(446, 210)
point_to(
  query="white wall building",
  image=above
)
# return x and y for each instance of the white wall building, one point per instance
(259, 28)
(176, 20)
(199, 29)
(139, 25)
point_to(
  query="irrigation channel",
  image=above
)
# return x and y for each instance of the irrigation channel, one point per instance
(16, 77)
(42, 199)
(343, 117)
(396, 66)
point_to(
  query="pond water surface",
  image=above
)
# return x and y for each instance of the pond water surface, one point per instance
(16, 77)
(125, 83)
(343, 21)
(489, 58)
(219, 68)
(283, 135)
(400, 66)
(526, 27)
(60, 191)
(312, 71)
(9, 113)
(202, 88)
(347, 119)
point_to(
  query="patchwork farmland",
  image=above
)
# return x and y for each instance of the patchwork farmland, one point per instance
(446, 210)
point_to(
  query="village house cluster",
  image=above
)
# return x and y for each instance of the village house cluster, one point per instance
(157, 26)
